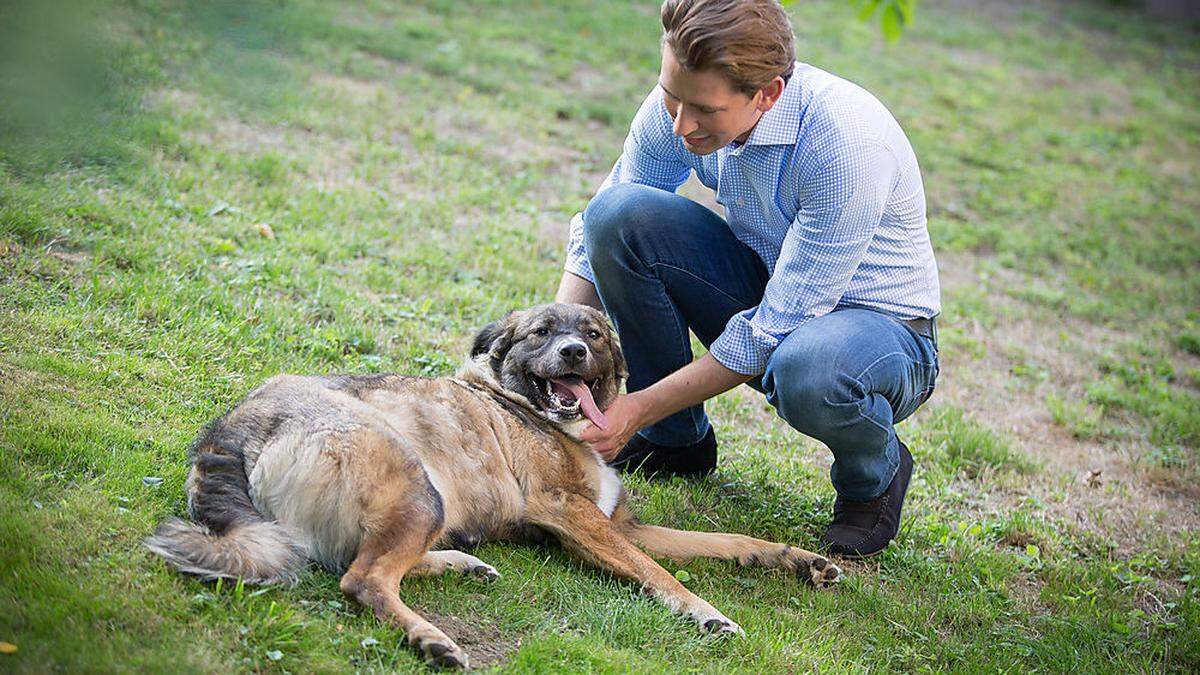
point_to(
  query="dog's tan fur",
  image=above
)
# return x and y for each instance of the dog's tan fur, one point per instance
(369, 474)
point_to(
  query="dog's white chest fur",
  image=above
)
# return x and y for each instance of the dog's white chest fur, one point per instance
(609, 494)
(610, 488)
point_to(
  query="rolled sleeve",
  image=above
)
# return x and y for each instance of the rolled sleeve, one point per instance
(577, 260)
(841, 207)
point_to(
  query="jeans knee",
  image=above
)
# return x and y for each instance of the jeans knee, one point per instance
(808, 390)
(615, 212)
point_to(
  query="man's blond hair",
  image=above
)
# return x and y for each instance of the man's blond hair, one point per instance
(750, 42)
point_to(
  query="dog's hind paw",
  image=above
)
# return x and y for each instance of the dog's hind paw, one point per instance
(443, 654)
(484, 572)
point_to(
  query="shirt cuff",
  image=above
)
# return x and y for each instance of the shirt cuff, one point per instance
(577, 259)
(742, 347)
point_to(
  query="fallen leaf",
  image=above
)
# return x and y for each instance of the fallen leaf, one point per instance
(274, 655)
(369, 642)
(266, 231)
(7, 648)
(151, 481)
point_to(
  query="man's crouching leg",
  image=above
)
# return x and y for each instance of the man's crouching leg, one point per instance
(846, 378)
(664, 264)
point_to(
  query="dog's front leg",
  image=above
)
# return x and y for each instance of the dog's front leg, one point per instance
(587, 532)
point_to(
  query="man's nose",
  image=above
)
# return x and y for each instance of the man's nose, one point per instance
(573, 352)
(684, 124)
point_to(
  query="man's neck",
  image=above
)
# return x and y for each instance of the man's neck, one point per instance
(746, 136)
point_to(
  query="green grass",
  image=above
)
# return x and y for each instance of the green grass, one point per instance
(417, 164)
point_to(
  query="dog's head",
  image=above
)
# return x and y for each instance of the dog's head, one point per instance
(556, 356)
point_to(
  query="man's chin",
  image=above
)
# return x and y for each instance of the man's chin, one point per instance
(702, 148)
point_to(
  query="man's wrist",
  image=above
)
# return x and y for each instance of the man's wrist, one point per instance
(643, 404)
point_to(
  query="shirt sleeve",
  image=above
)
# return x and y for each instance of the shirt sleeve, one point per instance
(841, 206)
(652, 155)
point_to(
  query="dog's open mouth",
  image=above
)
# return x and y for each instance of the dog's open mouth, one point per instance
(568, 396)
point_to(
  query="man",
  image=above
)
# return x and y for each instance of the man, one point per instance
(818, 289)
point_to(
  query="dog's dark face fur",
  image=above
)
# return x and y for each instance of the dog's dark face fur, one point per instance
(529, 348)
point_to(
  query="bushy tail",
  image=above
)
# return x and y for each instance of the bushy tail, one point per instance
(258, 552)
(230, 537)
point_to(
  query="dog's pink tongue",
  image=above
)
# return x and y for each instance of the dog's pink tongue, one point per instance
(586, 403)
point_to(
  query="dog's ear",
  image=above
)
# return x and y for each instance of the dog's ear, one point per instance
(495, 338)
(620, 368)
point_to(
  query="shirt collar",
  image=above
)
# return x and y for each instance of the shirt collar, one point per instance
(781, 124)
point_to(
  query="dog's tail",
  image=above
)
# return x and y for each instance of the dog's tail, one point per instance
(257, 552)
(231, 537)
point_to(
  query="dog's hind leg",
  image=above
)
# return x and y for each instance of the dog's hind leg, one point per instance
(684, 545)
(385, 556)
(440, 562)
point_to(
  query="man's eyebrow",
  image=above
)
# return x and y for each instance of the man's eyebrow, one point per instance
(705, 107)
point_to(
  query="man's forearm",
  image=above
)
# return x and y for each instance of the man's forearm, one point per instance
(695, 383)
(575, 289)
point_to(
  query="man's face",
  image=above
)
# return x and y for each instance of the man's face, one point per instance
(709, 113)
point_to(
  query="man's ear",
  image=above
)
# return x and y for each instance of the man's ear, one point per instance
(495, 338)
(770, 94)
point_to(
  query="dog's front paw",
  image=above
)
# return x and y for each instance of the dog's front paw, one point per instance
(810, 567)
(822, 573)
(720, 626)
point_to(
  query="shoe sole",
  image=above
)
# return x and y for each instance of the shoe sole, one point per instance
(861, 556)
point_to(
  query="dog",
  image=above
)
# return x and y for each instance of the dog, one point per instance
(379, 477)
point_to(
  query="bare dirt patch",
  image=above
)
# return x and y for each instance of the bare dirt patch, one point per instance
(486, 647)
(1096, 484)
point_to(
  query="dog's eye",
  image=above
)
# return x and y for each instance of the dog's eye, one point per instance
(542, 332)
(593, 335)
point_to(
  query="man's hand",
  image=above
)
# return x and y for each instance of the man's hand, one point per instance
(625, 416)
(694, 383)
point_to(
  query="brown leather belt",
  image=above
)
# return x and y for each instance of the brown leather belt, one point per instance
(922, 326)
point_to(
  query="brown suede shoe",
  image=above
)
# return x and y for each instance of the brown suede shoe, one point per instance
(862, 529)
(660, 461)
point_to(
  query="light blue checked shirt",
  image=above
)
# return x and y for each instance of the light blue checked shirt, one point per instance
(826, 190)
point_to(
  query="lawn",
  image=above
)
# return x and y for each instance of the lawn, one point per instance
(197, 196)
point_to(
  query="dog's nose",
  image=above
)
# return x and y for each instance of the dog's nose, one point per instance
(574, 352)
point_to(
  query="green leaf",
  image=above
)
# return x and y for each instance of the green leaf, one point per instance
(683, 576)
(892, 23)
(868, 9)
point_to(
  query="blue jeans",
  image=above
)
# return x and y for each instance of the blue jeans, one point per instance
(664, 264)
